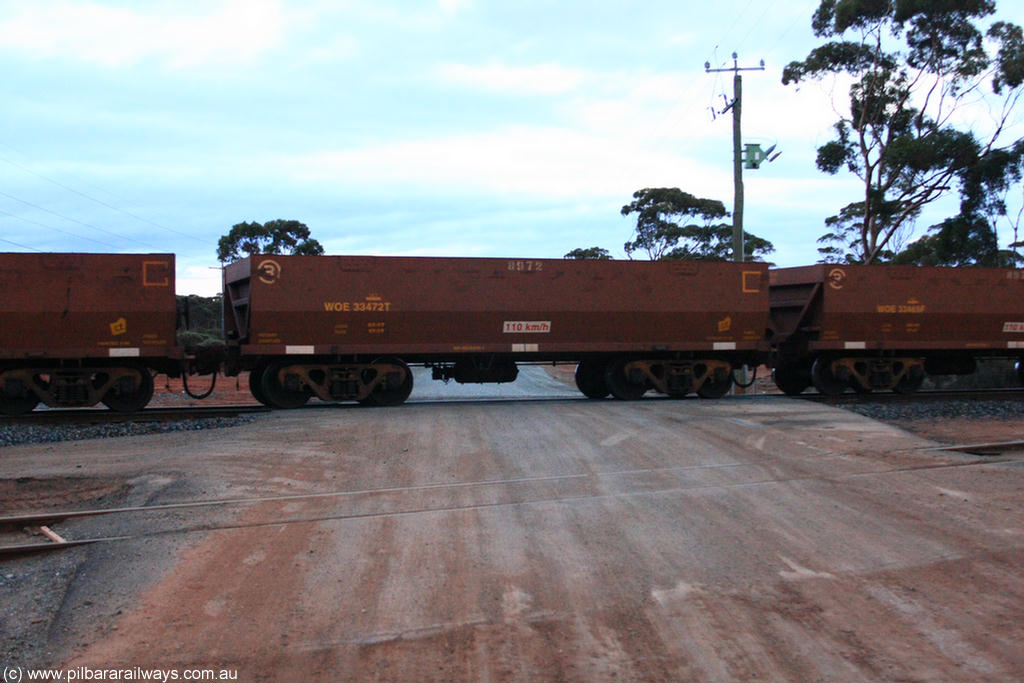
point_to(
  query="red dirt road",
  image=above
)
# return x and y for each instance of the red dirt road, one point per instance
(768, 539)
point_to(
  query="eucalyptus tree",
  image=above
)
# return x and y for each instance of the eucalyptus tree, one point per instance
(672, 224)
(930, 95)
(273, 237)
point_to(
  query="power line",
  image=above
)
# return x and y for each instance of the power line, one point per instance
(786, 33)
(757, 22)
(736, 18)
(73, 220)
(22, 246)
(91, 198)
(50, 227)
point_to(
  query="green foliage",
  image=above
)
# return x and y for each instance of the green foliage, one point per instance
(590, 254)
(960, 241)
(1010, 58)
(273, 237)
(191, 338)
(660, 232)
(970, 238)
(199, 320)
(914, 65)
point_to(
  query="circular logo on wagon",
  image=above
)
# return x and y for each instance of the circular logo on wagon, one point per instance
(268, 271)
(836, 277)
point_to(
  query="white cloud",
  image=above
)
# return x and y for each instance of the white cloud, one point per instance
(232, 31)
(199, 279)
(450, 7)
(539, 79)
(540, 162)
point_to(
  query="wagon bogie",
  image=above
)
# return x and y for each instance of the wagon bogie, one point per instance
(628, 378)
(124, 388)
(291, 384)
(864, 374)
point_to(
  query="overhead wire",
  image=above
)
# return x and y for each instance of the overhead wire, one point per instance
(100, 201)
(50, 227)
(22, 246)
(736, 17)
(757, 22)
(91, 198)
(674, 114)
(75, 220)
(785, 34)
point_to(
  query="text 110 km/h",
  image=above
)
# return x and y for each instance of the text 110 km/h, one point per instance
(523, 326)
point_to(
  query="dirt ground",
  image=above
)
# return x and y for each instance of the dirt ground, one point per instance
(226, 392)
(968, 431)
(763, 538)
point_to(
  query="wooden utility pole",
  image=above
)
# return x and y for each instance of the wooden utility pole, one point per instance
(737, 165)
(737, 150)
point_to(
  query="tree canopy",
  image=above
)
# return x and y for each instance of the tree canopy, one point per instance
(672, 224)
(589, 254)
(273, 237)
(915, 66)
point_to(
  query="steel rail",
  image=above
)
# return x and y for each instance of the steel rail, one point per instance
(43, 547)
(103, 415)
(918, 396)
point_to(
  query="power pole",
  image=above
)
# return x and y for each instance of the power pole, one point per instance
(737, 146)
(753, 160)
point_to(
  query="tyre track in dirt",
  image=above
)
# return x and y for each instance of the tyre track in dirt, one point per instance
(651, 541)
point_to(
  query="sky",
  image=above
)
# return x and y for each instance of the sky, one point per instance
(440, 127)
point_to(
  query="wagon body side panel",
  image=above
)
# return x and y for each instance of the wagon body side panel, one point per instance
(438, 306)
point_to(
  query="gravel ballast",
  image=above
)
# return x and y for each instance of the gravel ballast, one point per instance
(16, 434)
(982, 410)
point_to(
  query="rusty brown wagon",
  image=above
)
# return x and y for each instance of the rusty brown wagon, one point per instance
(348, 327)
(80, 329)
(886, 327)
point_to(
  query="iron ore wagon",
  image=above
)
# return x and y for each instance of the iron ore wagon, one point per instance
(348, 327)
(79, 329)
(886, 327)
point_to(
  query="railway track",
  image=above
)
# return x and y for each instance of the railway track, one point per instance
(94, 416)
(104, 416)
(39, 520)
(175, 413)
(919, 396)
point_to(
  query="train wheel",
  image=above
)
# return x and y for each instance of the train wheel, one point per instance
(277, 395)
(620, 384)
(859, 388)
(393, 390)
(18, 405)
(791, 378)
(256, 384)
(824, 380)
(123, 400)
(713, 387)
(911, 381)
(15, 398)
(590, 379)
